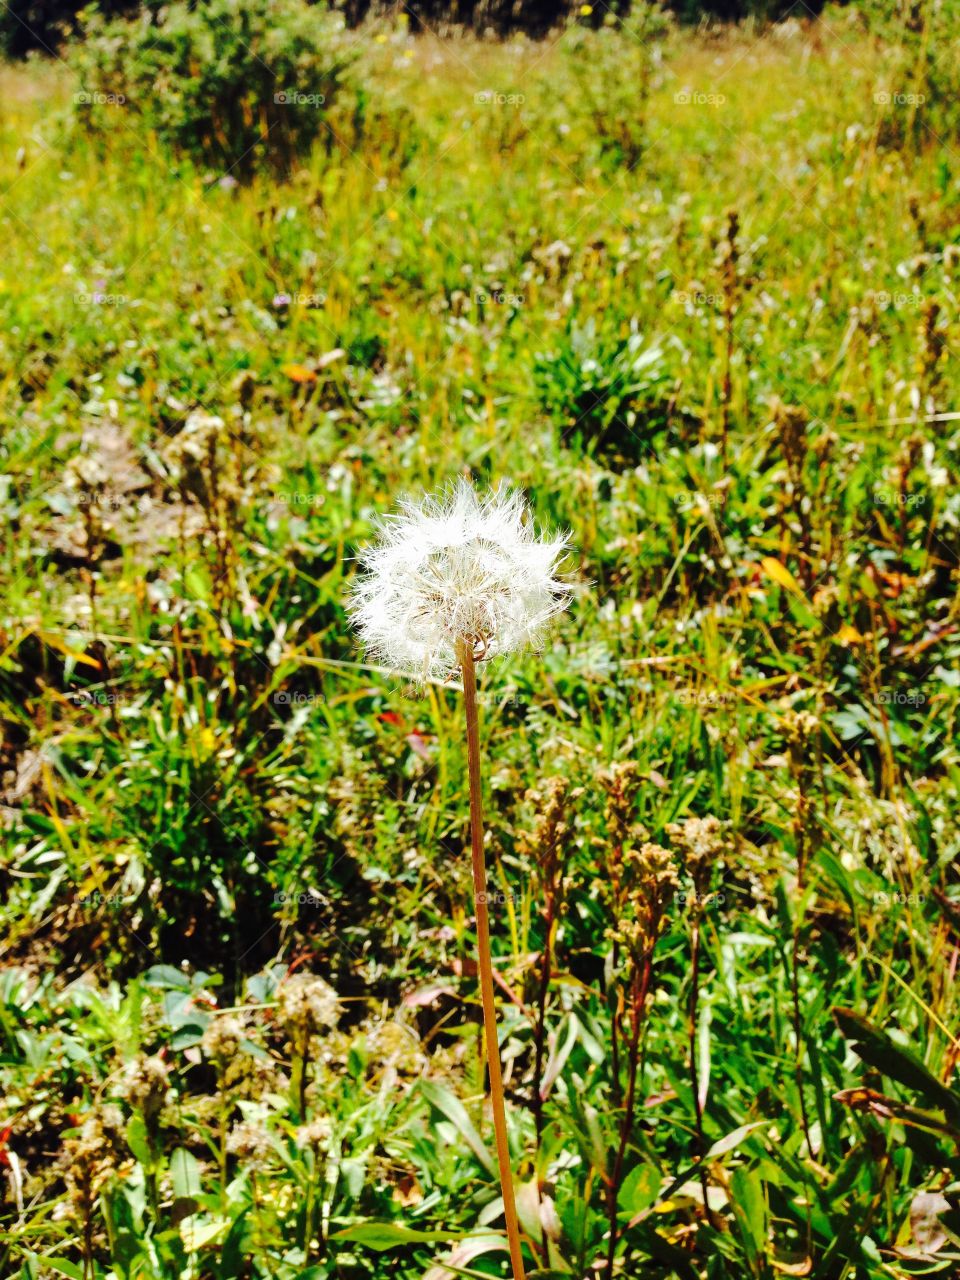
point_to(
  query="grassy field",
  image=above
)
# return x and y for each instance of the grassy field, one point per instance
(697, 296)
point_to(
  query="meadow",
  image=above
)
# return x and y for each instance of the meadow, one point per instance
(695, 293)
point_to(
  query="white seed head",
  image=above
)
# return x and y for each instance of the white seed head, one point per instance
(461, 568)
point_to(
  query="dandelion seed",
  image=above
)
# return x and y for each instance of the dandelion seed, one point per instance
(453, 570)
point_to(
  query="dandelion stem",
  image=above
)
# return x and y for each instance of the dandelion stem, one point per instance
(485, 962)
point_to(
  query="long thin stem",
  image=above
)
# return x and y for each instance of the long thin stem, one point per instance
(641, 987)
(540, 1031)
(694, 1064)
(485, 962)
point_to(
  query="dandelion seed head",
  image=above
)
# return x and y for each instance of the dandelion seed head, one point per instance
(462, 568)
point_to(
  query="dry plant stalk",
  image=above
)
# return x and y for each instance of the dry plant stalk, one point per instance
(485, 960)
(643, 880)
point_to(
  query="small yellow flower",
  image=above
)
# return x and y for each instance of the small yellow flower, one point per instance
(586, 10)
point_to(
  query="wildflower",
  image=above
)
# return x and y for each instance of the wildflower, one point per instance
(395, 1046)
(453, 581)
(90, 1159)
(306, 1005)
(250, 1143)
(621, 782)
(460, 570)
(222, 1038)
(86, 474)
(316, 1134)
(650, 882)
(199, 435)
(547, 843)
(145, 1085)
(701, 841)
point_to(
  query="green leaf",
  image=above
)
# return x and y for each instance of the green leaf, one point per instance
(137, 1139)
(750, 1207)
(384, 1236)
(639, 1190)
(64, 1268)
(703, 1054)
(231, 1255)
(877, 1049)
(456, 1113)
(724, 1145)
(185, 1174)
(167, 978)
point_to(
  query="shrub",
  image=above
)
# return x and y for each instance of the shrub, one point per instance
(234, 84)
(915, 94)
(609, 395)
(611, 72)
(42, 24)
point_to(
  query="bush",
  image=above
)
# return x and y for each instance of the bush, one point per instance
(609, 395)
(43, 24)
(234, 84)
(916, 89)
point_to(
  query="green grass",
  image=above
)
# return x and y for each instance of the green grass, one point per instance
(205, 786)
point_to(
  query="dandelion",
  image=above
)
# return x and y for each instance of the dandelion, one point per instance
(451, 582)
(461, 570)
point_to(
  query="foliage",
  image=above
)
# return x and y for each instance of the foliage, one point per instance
(231, 83)
(916, 90)
(608, 396)
(723, 805)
